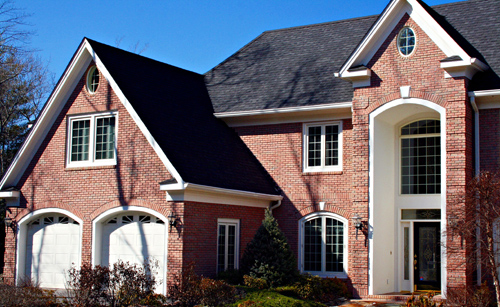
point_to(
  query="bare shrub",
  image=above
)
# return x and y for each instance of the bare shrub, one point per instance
(27, 294)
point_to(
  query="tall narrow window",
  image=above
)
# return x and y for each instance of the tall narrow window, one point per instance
(323, 147)
(323, 245)
(421, 157)
(227, 245)
(92, 140)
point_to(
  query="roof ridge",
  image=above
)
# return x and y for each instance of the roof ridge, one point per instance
(92, 41)
(321, 23)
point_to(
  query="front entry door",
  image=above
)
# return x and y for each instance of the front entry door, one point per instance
(426, 258)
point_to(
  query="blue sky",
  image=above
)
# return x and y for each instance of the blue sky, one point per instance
(192, 34)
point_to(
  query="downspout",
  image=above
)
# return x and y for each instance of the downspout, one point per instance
(477, 171)
(272, 207)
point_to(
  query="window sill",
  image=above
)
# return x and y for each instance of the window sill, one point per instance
(84, 168)
(327, 275)
(318, 173)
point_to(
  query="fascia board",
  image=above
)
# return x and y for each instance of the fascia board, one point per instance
(210, 189)
(9, 194)
(156, 147)
(47, 117)
(287, 115)
(386, 23)
(495, 92)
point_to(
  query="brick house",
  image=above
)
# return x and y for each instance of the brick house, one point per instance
(381, 119)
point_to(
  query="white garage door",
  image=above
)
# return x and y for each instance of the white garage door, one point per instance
(136, 238)
(53, 246)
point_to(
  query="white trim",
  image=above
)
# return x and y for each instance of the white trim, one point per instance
(229, 222)
(274, 116)
(12, 198)
(208, 194)
(47, 117)
(62, 92)
(118, 92)
(393, 13)
(442, 118)
(463, 68)
(495, 92)
(97, 224)
(92, 161)
(305, 147)
(22, 232)
(334, 216)
(88, 79)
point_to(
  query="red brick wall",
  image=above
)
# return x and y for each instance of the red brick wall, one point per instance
(489, 138)
(200, 232)
(86, 192)
(279, 147)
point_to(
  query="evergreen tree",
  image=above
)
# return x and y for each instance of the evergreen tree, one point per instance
(268, 255)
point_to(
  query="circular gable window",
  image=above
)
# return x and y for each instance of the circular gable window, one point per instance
(92, 79)
(406, 41)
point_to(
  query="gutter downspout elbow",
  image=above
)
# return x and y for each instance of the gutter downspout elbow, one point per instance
(272, 207)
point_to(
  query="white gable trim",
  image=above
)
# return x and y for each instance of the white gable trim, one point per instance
(170, 167)
(214, 195)
(47, 117)
(75, 70)
(386, 23)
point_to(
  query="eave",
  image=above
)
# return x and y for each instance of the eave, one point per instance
(207, 194)
(287, 115)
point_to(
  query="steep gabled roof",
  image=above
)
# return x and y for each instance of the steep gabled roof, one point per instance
(173, 109)
(295, 67)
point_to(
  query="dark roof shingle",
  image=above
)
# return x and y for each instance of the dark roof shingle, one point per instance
(174, 105)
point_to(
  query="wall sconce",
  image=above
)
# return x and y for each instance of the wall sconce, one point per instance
(10, 223)
(356, 220)
(172, 220)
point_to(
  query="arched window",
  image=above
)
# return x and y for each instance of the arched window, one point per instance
(323, 244)
(421, 157)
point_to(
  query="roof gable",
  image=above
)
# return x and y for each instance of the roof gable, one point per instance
(172, 109)
(444, 36)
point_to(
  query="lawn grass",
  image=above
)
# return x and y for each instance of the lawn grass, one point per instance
(270, 298)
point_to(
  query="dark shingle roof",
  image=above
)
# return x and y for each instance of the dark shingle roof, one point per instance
(288, 68)
(174, 105)
(295, 67)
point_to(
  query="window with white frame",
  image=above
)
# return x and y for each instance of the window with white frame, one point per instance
(228, 234)
(421, 157)
(323, 147)
(323, 244)
(92, 140)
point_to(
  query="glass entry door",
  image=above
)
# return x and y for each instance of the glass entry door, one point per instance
(426, 258)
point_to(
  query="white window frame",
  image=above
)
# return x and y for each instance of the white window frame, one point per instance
(400, 144)
(305, 146)
(323, 272)
(231, 222)
(92, 160)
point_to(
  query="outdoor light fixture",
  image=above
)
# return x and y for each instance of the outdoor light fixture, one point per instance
(9, 223)
(172, 220)
(356, 220)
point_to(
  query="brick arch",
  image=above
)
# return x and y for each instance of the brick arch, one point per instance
(132, 202)
(413, 94)
(49, 205)
(331, 208)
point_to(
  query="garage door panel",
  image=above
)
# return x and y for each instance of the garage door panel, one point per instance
(134, 238)
(52, 248)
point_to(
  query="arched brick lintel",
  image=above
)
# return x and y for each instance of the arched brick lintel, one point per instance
(332, 208)
(130, 203)
(49, 205)
(413, 94)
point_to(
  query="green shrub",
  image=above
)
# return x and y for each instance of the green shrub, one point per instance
(254, 282)
(268, 255)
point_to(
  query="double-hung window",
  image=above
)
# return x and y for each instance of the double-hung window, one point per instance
(92, 140)
(228, 233)
(323, 147)
(323, 245)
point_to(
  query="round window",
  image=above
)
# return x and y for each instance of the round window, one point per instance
(92, 79)
(406, 41)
